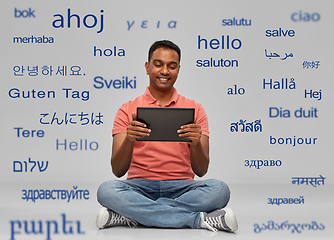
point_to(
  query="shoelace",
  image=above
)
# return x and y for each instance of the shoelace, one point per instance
(116, 218)
(206, 224)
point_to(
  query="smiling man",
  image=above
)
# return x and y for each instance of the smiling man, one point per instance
(160, 190)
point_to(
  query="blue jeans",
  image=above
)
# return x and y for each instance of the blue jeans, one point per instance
(166, 204)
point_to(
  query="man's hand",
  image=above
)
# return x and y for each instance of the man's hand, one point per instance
(136, 129)
(122, 146)
(199, 147)
(191, 131)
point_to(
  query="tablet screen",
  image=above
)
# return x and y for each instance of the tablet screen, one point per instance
(164, 122)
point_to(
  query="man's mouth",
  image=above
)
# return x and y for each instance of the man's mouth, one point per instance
(163, 79)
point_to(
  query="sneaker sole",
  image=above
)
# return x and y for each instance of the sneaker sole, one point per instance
(102, 217)
(230, 219)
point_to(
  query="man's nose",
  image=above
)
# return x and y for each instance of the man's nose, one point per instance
(164, 70)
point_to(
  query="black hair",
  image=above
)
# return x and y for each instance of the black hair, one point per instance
(163, 44)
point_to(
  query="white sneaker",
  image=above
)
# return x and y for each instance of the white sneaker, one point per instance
(108, 218)
(221, 219)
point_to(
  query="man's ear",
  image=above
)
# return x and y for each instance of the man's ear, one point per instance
(146, 66)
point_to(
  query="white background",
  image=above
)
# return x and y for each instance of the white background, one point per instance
(208, 86)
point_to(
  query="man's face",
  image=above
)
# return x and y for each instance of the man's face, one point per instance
(163, 69)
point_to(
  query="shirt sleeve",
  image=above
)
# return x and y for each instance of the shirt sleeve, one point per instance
(121, 120)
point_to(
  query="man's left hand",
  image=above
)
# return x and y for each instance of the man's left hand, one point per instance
(191, 131)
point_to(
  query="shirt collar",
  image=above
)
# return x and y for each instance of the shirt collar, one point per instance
(151, 99)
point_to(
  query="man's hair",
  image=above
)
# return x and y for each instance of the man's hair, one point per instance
(163, 44)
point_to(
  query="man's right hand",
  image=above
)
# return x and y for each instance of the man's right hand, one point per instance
(136, 129)
(122, 146)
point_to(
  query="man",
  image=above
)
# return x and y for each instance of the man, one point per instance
(160, 190)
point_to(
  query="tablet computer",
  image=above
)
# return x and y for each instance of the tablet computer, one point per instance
(164, 122)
